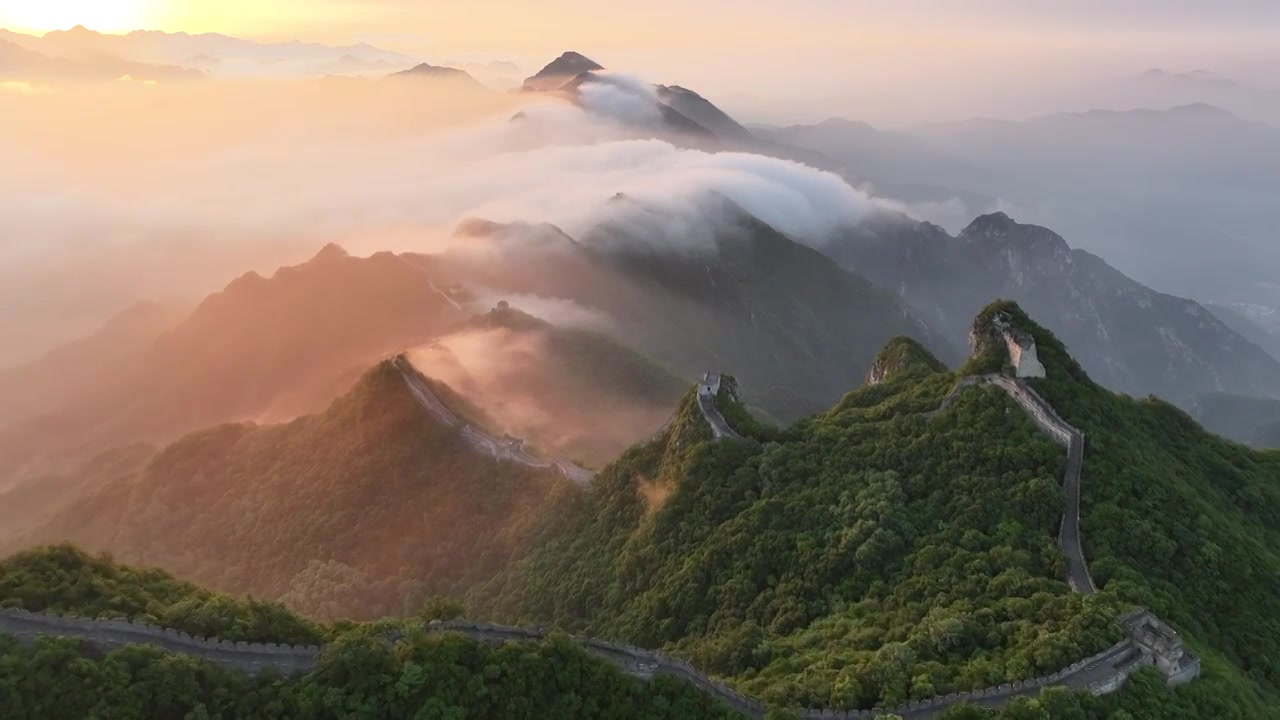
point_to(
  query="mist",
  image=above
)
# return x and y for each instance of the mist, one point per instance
(172, 190)
(535, 384)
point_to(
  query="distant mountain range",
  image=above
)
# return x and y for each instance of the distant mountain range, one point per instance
(80, 54)
(261, 349)
(436, 72)
(1179, 199)
(798, 329)
(1126, 335)
(212, 52)
(1250, 420)
(24, 65)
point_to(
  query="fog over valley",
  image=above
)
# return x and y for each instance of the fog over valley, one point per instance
(779, 361)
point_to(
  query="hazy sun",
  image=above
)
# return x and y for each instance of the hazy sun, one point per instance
(45, 15)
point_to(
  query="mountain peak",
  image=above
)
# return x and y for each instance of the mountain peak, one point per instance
(427, 70)
(997, 222)
(332, 251)
(568, 66)
(998, 231)
(903, 355)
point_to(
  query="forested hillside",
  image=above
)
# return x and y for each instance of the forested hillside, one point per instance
(886, 550)
(351, 512)
(262, 349)
(362, 673)
(879, 552)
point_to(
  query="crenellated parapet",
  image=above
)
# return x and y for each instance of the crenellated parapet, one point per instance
(252, 658)
(507, 449)
(708, 389)
(1150, 642)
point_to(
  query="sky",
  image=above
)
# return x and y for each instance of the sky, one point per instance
(812, 28)
(839, 54)
(845, 53)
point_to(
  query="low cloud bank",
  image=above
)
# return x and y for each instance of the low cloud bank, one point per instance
(374, 166)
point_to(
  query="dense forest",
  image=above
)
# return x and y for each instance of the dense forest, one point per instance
(350, 513)
(872, 554)
(386, 669)
(879, 552)
(362, 674)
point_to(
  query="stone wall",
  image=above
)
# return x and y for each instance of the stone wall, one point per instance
(708, 388)
(1100, 673)
(1149, 642)
(497, 448)
(251, 658)
(1049, 422)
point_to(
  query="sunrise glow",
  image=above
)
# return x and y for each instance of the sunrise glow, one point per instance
(102, 15)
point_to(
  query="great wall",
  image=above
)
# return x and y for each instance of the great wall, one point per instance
(1149, 641)
(508, 449)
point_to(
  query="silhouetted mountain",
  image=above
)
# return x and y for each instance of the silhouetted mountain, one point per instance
(75, 368)
(795, 327)
(895, 165)
(435, 72)
(346, 513)
(701, 111)
(1129, 337)
(24, 65)
(261, 349)
(560, 71)
(216, 53)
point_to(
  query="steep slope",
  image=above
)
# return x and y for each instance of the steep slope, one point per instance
(348, 512)
(1131, 338)
(568, 391)
(797, 329)
(33, 500)
(905, 544)
(261, 349)
(78, 367)
(700, 110)
(1162, 501)
(561, 71)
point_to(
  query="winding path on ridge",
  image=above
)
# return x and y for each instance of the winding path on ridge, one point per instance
(512, 449)
(1103, 672)
(1051, 424)
(509, 449)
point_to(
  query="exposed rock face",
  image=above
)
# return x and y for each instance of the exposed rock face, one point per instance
(1126, 336)
(1022, 350)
